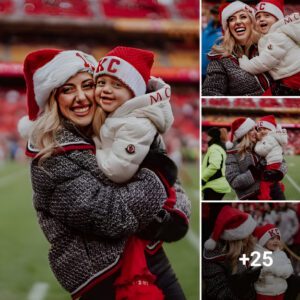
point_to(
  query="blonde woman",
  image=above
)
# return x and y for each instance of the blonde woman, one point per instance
(86, 218)
(244, 168)
(224, 77)
(224, 275)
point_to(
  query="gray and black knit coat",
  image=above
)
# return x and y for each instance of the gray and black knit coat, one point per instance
(224, 77)
(86, 217)
(239, 175)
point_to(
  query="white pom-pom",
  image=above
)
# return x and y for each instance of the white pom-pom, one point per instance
(228, 145)
(25, 127)
(210, 244)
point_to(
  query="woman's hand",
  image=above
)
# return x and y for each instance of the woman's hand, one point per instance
(272, 175)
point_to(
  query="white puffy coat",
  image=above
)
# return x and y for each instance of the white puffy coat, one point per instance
(272, 280)
(271, 145)
(279, 50)
(128, 132)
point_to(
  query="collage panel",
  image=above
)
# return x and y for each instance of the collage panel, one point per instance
(250, 149)
(250, 250)
(99, 149)
(250, 48)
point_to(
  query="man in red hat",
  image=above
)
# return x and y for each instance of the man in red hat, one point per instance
(271, 140)
(279, 49)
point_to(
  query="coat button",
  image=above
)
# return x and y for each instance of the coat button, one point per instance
(130, 149)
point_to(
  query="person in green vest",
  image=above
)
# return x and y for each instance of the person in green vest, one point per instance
(214, 183)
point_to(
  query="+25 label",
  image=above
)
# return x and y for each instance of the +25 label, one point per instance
(256, 261)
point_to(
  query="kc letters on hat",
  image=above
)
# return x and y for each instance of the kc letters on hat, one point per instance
(132, 66)
(273, 7)
(265, 233)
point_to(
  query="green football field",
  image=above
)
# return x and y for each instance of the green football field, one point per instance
(291, 180)
(24, 269)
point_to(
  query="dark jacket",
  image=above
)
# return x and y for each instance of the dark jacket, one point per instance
(86, 217)
(220, 283)
(224, 77)
(240, 177)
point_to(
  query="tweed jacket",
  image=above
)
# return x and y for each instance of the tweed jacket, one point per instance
(279, 50)
(240, 177)
(272, 279)
(86, 217)
(216, 271)
(128, 132)
(224, 77)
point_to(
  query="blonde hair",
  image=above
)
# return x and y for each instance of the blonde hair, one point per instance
(230, 47)
(245, 145)
(236, 248)
(45, 129)
(99, 118)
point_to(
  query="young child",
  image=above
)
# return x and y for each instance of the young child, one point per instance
(134, 118)
(271, 283)
(271, 140)
(131, 125)
(279, 50)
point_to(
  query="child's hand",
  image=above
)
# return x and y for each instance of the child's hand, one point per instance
(243, 61)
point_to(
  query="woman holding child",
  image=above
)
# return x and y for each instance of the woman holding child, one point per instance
(259, 52)
(87, 218)
(224, 75)
(245, 169)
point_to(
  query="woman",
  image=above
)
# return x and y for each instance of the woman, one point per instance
(224, 77)
(244, 168)
(86, 217)
(224, 275)
(214, 183)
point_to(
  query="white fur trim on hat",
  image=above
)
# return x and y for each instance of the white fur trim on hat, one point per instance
(266, 124)
(57, 71)
(228, 145)
(244, 128)
(124, 71)
(269, 8)
(25, 127)
(231, 9)
(240, 232)
(264, 239)
(210, 244)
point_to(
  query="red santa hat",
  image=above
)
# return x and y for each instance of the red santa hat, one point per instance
(274, 7)
(44, 71)
(226, 10)
(266, 232)
(132, 66)
(239, 128)
(267, 122)
(231, 225)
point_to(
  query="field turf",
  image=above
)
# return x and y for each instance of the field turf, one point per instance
(23, 248)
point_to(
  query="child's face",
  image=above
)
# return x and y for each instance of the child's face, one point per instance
(264, 21)
(273, 243)
(263, 131)
(111, 93)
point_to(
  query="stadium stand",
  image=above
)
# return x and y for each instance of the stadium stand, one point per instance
(77, 8)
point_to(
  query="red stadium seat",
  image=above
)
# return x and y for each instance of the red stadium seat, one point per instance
(188, 9)
(78, 8)
(6, 7)
(134, 9)
(269, 102)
